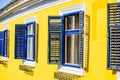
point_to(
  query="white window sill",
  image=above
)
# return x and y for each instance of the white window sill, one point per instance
(71, 70)
(29, 63)
(4, 58)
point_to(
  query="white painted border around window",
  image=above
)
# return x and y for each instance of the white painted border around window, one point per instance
(28, 20)
(29, 63)
(5, 28)
(71, 70)
(4, 58)
(67, 69)
(80, 7)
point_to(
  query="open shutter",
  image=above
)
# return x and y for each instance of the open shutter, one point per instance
(113, 54)
(55, 39)
(20, 41)
(1, 43)
(81, 38)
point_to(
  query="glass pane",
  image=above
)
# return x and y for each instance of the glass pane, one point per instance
(77, 21)
(72, 22)
(72, 49)
(69, 22)
(30, 29)
(5, 54)
(30, 48)
(5, 44)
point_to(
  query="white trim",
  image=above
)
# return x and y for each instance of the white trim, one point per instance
(71, 70)
(41, 7)
(118, 0)
(80, 7)
(24, 1)
(30, 19)
(29, 63)
(4, 58)
(5, 28)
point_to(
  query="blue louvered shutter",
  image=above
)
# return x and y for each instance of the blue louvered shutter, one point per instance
(81, 39)
(20, 41)
(1, 43)
(55, 39)
(113, 53)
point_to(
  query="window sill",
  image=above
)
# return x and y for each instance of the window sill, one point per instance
(71, 69)
(29, 63)
(4, 58)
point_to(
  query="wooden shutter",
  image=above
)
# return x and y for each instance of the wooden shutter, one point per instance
(1, 43)
(81, 38)
(113, 54)
(55, 39)
(20, 41)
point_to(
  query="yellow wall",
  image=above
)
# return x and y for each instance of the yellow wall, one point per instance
(97, 10)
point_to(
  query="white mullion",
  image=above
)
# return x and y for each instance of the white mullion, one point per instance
(73, 40)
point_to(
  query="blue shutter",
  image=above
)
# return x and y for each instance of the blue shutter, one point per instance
(1, 43)
(20, 41)
(113, 53)
(55, 40)
(81, 39)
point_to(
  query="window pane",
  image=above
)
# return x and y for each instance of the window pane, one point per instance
(77, 21)
(72, 22)
(30, 29)
(72, 49)
(69, 22)
(30, 48)
(5, 43)
(5, 48)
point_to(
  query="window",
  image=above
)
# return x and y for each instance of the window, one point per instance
(4, 43)
(66, 39)
(30, 41)
(5, 54)
(25, 41)
(113, 56)
(72, 39)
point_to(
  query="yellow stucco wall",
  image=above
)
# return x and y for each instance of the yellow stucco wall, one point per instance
(97, 10)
